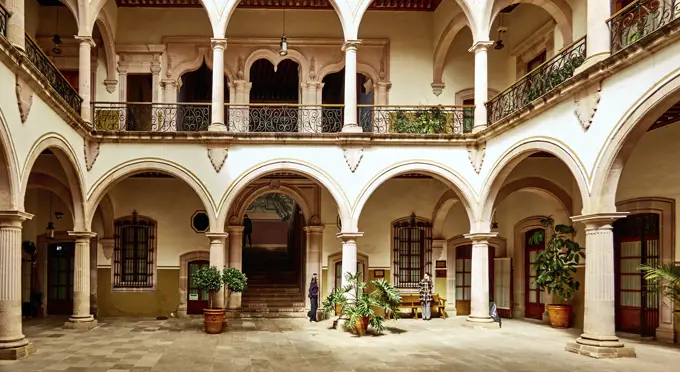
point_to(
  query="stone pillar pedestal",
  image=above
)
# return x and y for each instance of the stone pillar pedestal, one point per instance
(235, 260)
(479, 296)
(218, 46)
(599, 328)
(350, 121)
(16, 27)
(313, 262)
(13, 344)
(217, 259)
(481, 84)
(349, 262)
(81, 318)
(86, 45)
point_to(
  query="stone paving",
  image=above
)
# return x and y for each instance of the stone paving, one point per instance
(120, 345)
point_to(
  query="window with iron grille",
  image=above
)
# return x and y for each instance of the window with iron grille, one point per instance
(134, 252)
(411, 251)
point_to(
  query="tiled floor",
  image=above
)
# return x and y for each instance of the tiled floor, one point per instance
(295, 345)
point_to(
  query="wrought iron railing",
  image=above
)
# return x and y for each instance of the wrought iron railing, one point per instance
(416, 119)
(150, 117)
(273, 118)
(50, 72)
(640, 19)
(4, 18)
(538, 82)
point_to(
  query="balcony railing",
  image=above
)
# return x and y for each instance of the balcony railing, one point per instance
(56, 80)
(4, 18)
(640, 19)
(538, 82)
(416, 119)
(150, 117)
(273, 118)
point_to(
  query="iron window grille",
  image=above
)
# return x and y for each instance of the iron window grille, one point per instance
(411, 251)
(134, 252)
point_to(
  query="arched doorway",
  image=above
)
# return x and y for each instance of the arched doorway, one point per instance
(196, 88)
(274, 94)
(333, 93)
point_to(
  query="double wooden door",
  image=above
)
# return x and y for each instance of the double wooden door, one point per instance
(637, 242)
(197, 299)
(60, 278)
(534, 301)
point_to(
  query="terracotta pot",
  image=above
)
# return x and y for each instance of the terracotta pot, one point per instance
(361, 326)
(213, 320)
(560, 315)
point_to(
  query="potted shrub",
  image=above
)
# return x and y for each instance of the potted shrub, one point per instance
(210, 279)
(358, 306)
(234, 281)
(555, 267)
(665, 279)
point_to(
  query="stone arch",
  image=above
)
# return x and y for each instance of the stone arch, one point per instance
(559, 10)
(46, 182)
(621, 142)
(539, 185)
(449, 33)
(441, 210)
(124, 170)
(184, 260)
(68, 160)
(290, 165)
(275, 58)
(513, 156)
(107, 214)
(9, 178)
(446, 175)
(107, 32)
(362, 68)
(302, 202)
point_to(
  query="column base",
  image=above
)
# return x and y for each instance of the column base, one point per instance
(600, 347)
(451, 311)
(479, 128)
(217, 127)
(81, 323)
(16, 353)
(485, 323)
(590, 61)
(352, 128)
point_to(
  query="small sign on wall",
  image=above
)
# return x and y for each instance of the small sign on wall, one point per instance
(193, 297)
(378, 274)
(440, 273)
(440, 264)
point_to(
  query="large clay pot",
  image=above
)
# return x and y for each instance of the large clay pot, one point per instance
(361, 326)
(213, 319)
(560, 315)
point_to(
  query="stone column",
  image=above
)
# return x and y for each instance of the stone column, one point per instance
(218, 46)
(81, 318)
(93, 277)
(217, 259)
(451, 281)
(350, 120)
(13, 343)
(169, 99)
(235, 260)
(156, 95)
(481, 84)
(479, 297)
(381, 92)
(313, 260)
(239, 115)
(311, 117)
(122, 81)
(599, 326)
(598, 42)
(437, 248)
(86, 45)
(349, 254)
(16, 27)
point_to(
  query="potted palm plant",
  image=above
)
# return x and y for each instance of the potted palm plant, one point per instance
(665, 279)
(555, 267)
(359, 307)
(210, 279)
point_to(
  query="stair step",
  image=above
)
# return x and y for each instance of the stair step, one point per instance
(269, 305)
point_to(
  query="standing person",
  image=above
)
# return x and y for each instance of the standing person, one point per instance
(247, 231)
(313, 297)
(426, 296)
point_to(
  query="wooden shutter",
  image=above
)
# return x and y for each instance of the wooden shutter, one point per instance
(503, 286)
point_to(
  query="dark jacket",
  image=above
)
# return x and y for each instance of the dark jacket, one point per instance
(247, 226)
(313, 289)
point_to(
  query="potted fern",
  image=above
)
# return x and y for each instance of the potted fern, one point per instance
(210, 279)
(555, 267)
(358, 306)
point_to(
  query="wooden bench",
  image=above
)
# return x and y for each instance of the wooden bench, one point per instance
(412, 302)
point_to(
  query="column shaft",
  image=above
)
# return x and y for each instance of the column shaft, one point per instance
(350, 119)
(217, 259)
(479, 296)
(81, 318)
(481, 83)
(598, 42)
(235, 260)
(313, 259)
(217, 124)
(86, 45)
(16, 28)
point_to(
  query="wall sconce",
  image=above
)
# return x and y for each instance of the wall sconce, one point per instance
(58, 215)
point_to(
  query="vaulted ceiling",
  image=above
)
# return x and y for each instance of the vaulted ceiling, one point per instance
(393, 5)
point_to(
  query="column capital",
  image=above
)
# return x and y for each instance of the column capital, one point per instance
(481, 237)
(235, 229)
(9, 217)
(217, 236)
(347, 236)
(350, 45)
(169, 83)
(218, 43)
(313, 229)
(86, 40)
(82, 235)
(599, 219)
(480, 45)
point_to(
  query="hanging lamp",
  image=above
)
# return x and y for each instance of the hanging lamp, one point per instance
(49, 231)
(284, 43)
(56, 40)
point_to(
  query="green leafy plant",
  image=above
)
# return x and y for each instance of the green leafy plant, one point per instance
(234, 280)
(555, 266)
(356, 303)
(422, 121)
(208, 279)
(665, 279)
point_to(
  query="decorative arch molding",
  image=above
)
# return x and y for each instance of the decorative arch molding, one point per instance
(107, 213)
(539, 185)
(306, 206)
(275, 58)
(192, 62)
(313, 172)
(519, 258)
(68, 160)
(9, 176)
(469, 93)
(457, 23)
(559, 10)
(124, 170)
(516, 154)
(665, 208)
(362, 68)
(333, 259)
(448, 176)
(107, 32)
(184, 260)
(46, 182)
(441, 210)
(621, 142)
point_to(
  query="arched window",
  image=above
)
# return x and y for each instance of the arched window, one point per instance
(134, 252)
(411, 251)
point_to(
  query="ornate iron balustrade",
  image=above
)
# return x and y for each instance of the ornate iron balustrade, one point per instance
(150, 117)
(640, 19)
(416, 119)
(56, 80)
(272, 118)
(538, 82)
(4, 18)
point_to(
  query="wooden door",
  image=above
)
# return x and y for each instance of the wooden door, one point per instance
(60, 278)
(464, 278)
(503, 286)
(197, 299)
(636, 243)
(139, 96)
(72, 77)
(534, 304)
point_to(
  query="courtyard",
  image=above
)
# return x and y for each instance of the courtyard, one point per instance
(119, 345)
